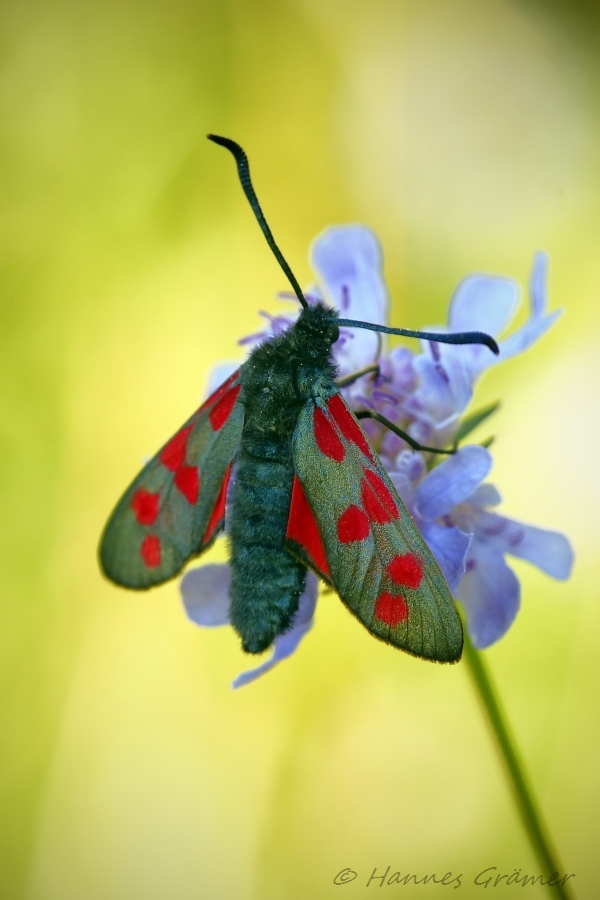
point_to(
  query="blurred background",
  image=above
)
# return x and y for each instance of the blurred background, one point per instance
(466, 135)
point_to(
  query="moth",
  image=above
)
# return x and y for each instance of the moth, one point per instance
(277, 453)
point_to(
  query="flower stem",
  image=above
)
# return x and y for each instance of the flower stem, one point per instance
(521, 789)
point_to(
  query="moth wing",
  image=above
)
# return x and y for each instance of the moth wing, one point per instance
(362, 538)
(175, 507)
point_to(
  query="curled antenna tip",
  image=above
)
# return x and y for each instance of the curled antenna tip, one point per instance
(491, 343)
(243, 168)
(463, 337)
(224, 142)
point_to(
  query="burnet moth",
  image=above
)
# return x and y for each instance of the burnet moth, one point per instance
(307, 492)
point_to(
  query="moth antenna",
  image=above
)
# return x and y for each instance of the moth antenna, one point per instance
(460, 337)
(243, 168)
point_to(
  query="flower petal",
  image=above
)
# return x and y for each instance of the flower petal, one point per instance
(205, 594)
(348, 260)
(536, 325)
(408, 469)
(483, 303)
(450, 547)
(527, 335)
(550, 551)
(452, 482)
(490, 593)
(485, 495)
(537, 284)
(285, 644)
(445, 388)
(396, 371)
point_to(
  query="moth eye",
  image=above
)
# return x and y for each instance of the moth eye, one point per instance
(334, 333)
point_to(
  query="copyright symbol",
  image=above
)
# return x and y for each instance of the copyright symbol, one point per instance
(345, 876)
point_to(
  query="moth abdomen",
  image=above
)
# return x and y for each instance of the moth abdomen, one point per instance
(266, 581)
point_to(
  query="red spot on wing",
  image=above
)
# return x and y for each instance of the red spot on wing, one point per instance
(348, 424)
(222, 389)
(150, 551)
(222, 408)
(187, 482)
(326, 436)
(377, 499)
(174, 453)
(222, 402)
(302, 528)
(406, 570)
(145, 506)
(218, 513)
(353, 525)
(391, 610)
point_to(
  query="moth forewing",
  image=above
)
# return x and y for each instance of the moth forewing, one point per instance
(174, 509)
(380, 565)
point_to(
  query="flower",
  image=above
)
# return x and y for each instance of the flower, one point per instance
(449, 504)
(424, 395)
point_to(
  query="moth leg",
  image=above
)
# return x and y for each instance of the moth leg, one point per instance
(354, 376)
(372, 414)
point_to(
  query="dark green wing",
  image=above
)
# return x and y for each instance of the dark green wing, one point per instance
(176, 506)
(367, 544)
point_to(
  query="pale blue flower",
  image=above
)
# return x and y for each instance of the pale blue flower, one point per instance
(449, 504)
(448, 372)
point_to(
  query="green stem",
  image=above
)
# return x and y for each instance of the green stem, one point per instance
(522, 792)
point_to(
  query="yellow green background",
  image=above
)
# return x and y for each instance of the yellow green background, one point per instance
(466, 134)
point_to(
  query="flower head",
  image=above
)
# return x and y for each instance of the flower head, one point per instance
(424, 395)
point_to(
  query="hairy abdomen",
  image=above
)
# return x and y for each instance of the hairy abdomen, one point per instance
(266, 581)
